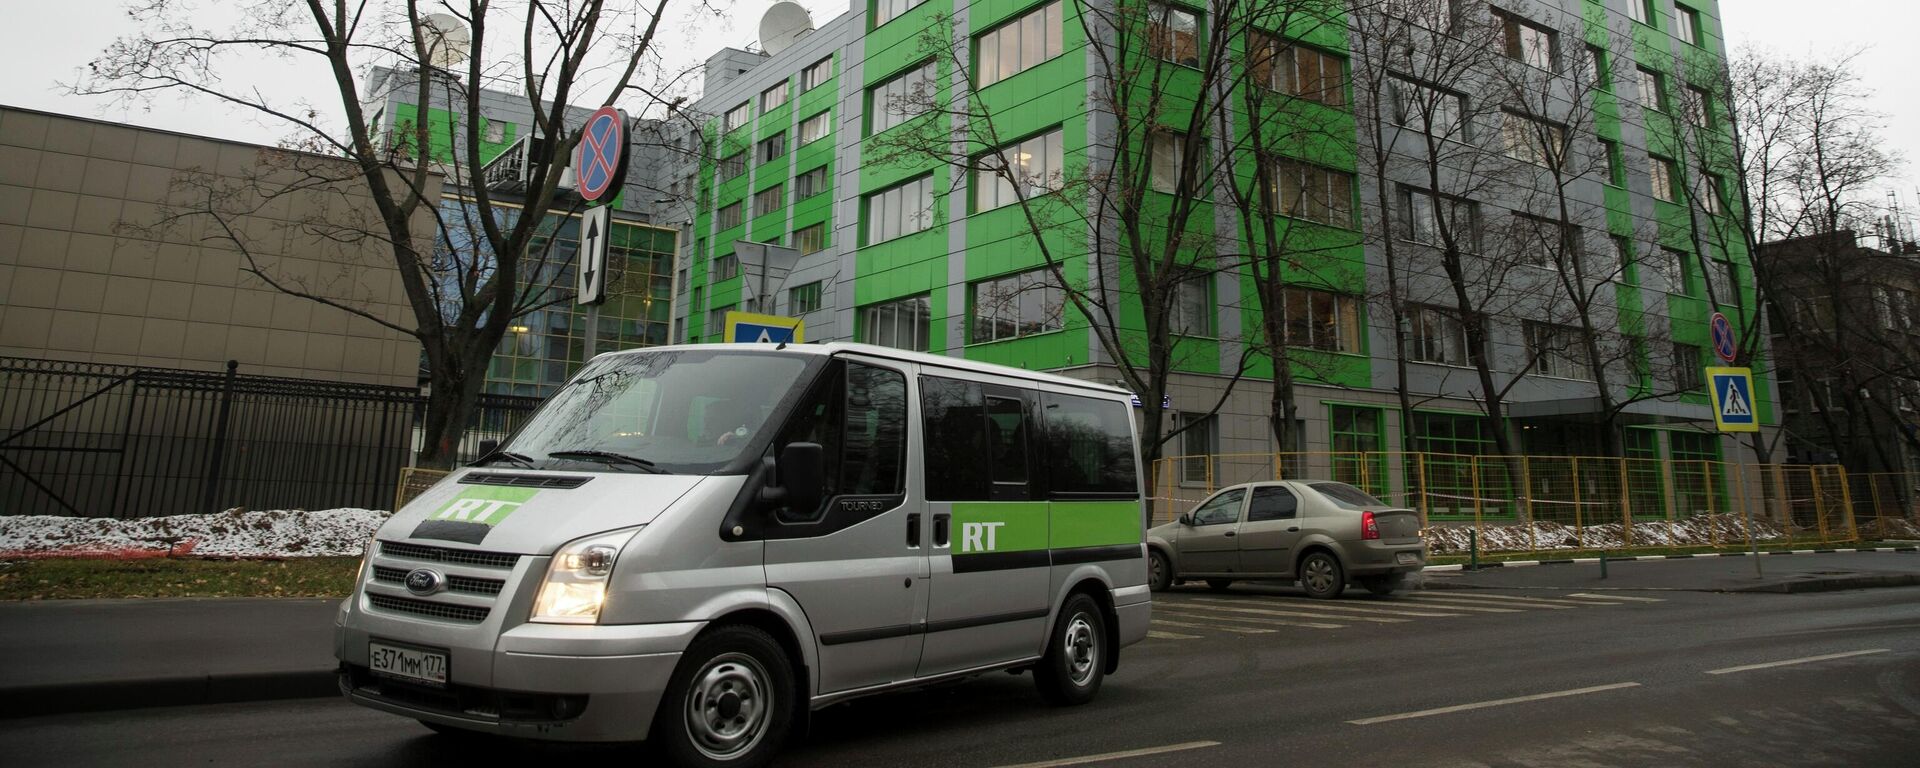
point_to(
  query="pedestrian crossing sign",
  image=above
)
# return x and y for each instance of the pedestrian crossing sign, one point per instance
(1733, 409)
(750, 328)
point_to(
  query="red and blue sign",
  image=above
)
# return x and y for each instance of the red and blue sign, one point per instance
(599, 165)
(1723, 341)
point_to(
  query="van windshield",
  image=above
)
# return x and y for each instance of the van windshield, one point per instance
(677, 412)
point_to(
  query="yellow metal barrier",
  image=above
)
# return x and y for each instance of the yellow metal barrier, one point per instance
(1562, 503)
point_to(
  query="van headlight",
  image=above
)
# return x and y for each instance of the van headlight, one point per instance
(576, 585)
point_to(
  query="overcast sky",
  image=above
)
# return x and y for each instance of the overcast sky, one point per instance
(43, 43)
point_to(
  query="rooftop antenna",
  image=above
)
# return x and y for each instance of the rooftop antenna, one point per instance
(446, 39)
(784, 23)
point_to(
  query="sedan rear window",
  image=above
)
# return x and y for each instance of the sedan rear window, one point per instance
(1346, 496)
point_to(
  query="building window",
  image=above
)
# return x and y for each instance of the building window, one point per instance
(1557, 351)
(1018, 45)
(1173, 34)
(1665, 175)
(1321, 320)
(1197, 444)
(815, 128)
(1435, 335)
(773, 97)
(1017, 305)
(810, 239)
(1672, 268)
(1035, 167)
(1713, 196)
(1686, 24)
(733, 166)
(726, 266)
(900, 210)
(767, 200)
(1428, 110)
(1699, 106)
(1532, 140)
(1640, 11)
(1355, 433)
(1298, 71)
(727, 217)
(1622, 254)
(810, 183)
(901, 98)
(1192, 310)
(1616, 164)
(1687, 375)
(1653, 90)
(1421, 220)
(1547, 243)
(1169, 151)
(804, 299)
(738, 116)
(888, 10)
(1528, 42)
(1314, 193)
(1725, 285)
(1599, 70)
(717, 319)
(773, 147)
(813, 76)
(899, 324)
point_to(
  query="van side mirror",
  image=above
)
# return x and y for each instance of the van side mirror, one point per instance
(801, 482)
(487, 447)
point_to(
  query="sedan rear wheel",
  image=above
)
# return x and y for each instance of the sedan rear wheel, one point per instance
(1159, 572)
(1322, 575)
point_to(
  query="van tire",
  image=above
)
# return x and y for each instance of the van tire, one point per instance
(1159, 571)
(713, 673)
(1070, 672)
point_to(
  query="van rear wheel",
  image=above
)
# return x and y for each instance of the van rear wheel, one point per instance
(1075, 663)
(729, 703)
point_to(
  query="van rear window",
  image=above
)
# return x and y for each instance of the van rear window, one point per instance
(1089, 444)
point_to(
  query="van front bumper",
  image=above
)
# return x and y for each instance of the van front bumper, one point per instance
(544, 681)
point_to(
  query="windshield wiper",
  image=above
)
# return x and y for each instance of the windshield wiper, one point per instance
(519, 460)
(608, 457)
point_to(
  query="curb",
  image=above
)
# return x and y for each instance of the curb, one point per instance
(1832, 584)
(64, 698)
(1637, 558)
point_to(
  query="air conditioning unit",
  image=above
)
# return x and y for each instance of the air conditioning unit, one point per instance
(508, 171)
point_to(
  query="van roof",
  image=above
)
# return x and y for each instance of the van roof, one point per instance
(923, 358)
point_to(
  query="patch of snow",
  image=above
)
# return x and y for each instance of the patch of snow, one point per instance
(233, 533)
(1542, 535)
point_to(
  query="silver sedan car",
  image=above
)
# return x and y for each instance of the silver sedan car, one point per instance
(1320, 533)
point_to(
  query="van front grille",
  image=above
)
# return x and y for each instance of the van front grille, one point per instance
(467, 584)
(448, 555)
(434, 610)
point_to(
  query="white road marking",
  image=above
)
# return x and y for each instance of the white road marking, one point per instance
(1085, 759)
(1618, 597)
(1507, 598)
(1651, 557)
(1519, 563)
(1706, 554)
(1159, 635)
(1241, 630)
(1414, 600)
(1454, 567)
(1328, 605)
(1494, 703)
(1254, 620)
(1807, 660)
(1469, 604)
(1803, 552)
(1303, 614)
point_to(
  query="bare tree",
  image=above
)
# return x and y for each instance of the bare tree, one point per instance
(473, 272)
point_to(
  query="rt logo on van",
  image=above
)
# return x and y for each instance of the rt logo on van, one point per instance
(486, 506)
(978, 537)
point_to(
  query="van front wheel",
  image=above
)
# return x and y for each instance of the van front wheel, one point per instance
(1075, 662)
(729, 703)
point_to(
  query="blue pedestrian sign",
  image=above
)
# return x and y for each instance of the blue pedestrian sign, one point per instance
(751, 328)
(599, 166)
(1733, 409)
(1723, 341)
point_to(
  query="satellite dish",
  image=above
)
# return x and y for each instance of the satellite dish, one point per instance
(784, 23)
(446, 40)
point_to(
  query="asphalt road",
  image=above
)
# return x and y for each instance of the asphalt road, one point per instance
(1261, 676)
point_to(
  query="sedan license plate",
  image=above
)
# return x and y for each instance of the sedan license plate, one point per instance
(1409, 558)
(414, 664)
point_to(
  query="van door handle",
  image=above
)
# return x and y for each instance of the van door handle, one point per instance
(1229, 534)
(942, 528)
(1293, 529)
(913, 530)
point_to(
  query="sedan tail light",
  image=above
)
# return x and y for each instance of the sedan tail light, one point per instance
(1369, 528)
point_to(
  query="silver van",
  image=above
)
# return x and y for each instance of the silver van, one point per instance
(697, 546)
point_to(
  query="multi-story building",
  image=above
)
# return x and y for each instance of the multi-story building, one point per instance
(919, 252)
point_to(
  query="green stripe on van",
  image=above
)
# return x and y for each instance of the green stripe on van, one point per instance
(998, 526)
(1094, 523)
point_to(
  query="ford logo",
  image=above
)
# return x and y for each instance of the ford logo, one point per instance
(423, 581)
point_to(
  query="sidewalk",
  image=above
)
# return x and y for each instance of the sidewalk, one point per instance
(83, 655)
(1778, 573)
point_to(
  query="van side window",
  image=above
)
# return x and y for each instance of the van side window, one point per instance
(1271, 502)
(1088, 446)
(1007, 439)
(874, 453)
(955, 438)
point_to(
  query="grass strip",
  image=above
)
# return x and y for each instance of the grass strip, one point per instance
(87, 578)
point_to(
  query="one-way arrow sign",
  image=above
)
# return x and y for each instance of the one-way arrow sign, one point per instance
(590, 274)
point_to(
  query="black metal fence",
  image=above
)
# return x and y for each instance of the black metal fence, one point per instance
(116, 441)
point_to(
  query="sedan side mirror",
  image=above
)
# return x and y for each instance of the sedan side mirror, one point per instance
(801, 473)
(1186, 518)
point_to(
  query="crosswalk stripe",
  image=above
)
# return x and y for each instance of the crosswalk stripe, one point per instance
(1327, 605)
(1458, 606)
(1461, 601)
(1619, 597)
(1252, 620)
(1307, 615)
(1241, 630)
(1509, 598)
(1159, 635)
